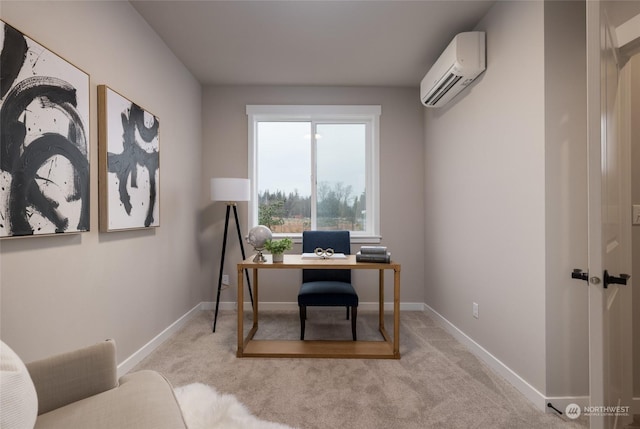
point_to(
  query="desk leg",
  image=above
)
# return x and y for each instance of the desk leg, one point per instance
(240, 311)
(381, 295)
(396, 312)
(255, 298)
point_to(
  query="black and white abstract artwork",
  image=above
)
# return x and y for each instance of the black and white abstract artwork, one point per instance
(44, 140)
(129, 165)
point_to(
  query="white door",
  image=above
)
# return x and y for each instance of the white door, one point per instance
(610, 378)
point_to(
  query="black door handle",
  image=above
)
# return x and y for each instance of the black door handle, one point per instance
(609, 280)
(578, 274)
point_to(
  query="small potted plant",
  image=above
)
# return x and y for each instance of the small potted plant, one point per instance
(277, 248)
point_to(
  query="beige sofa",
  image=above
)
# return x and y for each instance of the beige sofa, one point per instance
(81, 389)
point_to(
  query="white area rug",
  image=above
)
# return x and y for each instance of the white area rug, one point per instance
(204, 408)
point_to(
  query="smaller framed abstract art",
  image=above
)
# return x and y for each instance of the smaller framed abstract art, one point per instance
(129, 163)
(44, 140)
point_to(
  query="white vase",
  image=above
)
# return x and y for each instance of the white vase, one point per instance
(278, 257)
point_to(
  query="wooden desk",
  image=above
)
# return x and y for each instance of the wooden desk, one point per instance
(388, 348)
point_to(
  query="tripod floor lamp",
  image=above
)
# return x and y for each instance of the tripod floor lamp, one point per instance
(231, 191)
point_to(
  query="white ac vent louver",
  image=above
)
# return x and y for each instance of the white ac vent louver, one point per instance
(460, 63)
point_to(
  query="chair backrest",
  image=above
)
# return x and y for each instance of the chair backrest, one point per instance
(339, 241)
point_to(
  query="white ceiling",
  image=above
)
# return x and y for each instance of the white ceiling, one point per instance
(339, 42)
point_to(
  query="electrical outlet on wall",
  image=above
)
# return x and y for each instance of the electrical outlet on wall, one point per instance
(476, 313)
(225, 279)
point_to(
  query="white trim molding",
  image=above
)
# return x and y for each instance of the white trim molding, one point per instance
(293, 306)
(129, 363)
(316, 115)
(530, 392)
(137, 357)
(561, 403)
(628, 31)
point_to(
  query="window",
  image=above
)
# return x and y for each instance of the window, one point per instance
(315, 168)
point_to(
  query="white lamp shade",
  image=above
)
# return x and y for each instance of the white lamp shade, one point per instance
(230, 190)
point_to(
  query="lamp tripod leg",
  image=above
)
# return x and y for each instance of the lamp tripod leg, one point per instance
(246, 271)
(224, 247)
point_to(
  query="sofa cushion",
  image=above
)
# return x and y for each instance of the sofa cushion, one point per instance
(18, 400)
(72, 376)
(144, 399)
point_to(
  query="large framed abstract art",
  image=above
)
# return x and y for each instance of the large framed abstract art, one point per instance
(44, 140)
(129, 176)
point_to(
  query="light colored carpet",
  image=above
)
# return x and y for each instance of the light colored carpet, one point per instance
(437, 383)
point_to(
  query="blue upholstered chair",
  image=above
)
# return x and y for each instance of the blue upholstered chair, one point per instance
(327, 288)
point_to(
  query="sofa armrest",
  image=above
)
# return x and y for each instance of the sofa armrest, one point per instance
(69, 377)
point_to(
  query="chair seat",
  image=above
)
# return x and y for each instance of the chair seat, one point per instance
(327, 293)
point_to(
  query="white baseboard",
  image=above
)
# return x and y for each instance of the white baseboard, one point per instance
(530, 392)
(284, 306)
(583, 401)
(148, 348)
(128, 364)
(561, 402)
(224, 305)
(538, 399)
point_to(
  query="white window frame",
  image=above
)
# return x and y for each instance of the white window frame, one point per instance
(368, 114)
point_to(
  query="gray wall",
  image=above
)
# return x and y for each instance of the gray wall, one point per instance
(63, 292)
(485, 193)
(567, 343)
(401, 178)
(506, 194)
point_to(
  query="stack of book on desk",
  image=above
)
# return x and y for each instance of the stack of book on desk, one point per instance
(373, 254)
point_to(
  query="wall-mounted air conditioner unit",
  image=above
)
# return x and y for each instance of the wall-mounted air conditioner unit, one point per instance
(459, 64)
